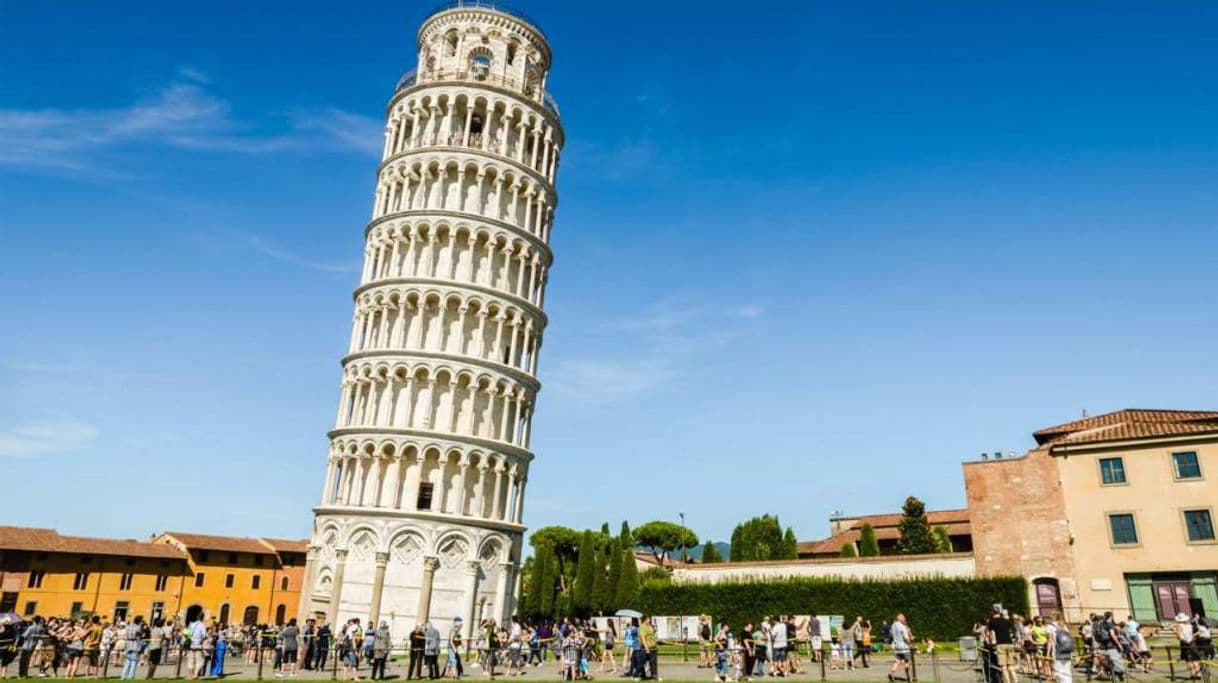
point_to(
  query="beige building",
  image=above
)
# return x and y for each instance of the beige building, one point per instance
(1112, 512)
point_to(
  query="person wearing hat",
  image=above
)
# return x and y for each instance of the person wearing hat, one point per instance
(1187, 635)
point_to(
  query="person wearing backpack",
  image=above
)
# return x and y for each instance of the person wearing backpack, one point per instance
(1061, 651)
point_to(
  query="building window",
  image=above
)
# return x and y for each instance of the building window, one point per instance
(161, 581)
(158, 610)
(232, 558)
(228, 580)
(81, 581)
(203, 556)
(1124, 532)
(283, 585)
(199, 580)
(36, 578)
(1112, 471)
(130, 562)
(256, 582)
(124, 583)
(77, 609)
(1186, 465)
(30, 608)
(120, 610)
(1199, 524)
(258, 559)
(425, 491)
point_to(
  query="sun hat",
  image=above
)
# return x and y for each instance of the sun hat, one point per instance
(1182, 617)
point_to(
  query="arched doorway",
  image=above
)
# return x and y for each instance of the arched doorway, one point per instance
(280, 613)
(194, 613)
(250, 618)
(224, 610)
(1048, 596)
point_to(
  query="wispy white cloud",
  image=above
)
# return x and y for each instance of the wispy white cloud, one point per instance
(184, 114)
(48, 437)
(228, 239)
(666, 338)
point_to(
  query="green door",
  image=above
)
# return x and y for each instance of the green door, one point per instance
(1141, 598)
(1206, 589)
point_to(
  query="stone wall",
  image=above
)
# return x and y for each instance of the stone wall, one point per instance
(1019, 523)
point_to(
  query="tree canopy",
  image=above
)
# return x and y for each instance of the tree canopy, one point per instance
(663, 538)
(762, 538)
(869, 545)
(710, 553)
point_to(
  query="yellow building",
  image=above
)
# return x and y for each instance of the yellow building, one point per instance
(239, 580)
(44, 572)
(1110, 512)
(242, 580)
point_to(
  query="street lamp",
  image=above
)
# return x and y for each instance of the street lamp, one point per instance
(683, 558)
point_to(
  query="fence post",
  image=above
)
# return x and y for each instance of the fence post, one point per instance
(334, 656)
(822, 666)
(912, 675)
(258, 655)
(178, 673)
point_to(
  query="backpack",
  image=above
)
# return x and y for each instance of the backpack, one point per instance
(1063, 643)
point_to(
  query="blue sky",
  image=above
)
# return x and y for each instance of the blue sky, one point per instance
(809, 256)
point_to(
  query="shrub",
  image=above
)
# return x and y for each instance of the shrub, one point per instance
(943, 608)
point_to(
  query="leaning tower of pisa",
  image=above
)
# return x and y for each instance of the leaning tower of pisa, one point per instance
(420, 516)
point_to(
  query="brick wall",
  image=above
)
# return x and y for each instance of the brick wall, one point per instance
(1019, 524)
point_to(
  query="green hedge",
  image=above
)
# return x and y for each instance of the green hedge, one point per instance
(943, 608)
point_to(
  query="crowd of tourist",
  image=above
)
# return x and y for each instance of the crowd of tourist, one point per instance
(1105, 648)
(1011, 646)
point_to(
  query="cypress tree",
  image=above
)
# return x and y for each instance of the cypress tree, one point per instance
(547, 567)
(915, 529)
(848, 550)
(869, 545)
(614, 578)
(624, 538)
(581, 590)
(600, 584)
(605, 528)
(628, 585)
(790, 546)
(710, 554)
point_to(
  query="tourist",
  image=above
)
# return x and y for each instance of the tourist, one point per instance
(1038, 635)
(197, 634)
(431, 650)
(1107, 642)
(847, 646)
(1186, 636)
(415, 644)
(815, 639)
(778, 648)
(788, 623)
(721, 650)
(704, 641)
(515, 648)
(289, 638)
(219, 651)
(382, 641)
(647, 647)
(490, 640)
(608, 642)
(997, 648)
(901, 639)
(454, 647)
(349, 645)
(321, 650)
(1060, 650)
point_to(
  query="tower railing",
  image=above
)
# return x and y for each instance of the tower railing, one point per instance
(542, 97)
(490, 5)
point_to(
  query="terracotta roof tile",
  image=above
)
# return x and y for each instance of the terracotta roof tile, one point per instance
(287, 546)
(51, 541)
(224, 544)
(1132, 423)
(956, 522)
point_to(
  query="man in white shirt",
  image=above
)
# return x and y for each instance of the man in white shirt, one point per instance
(197, 659)
(901, 639)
